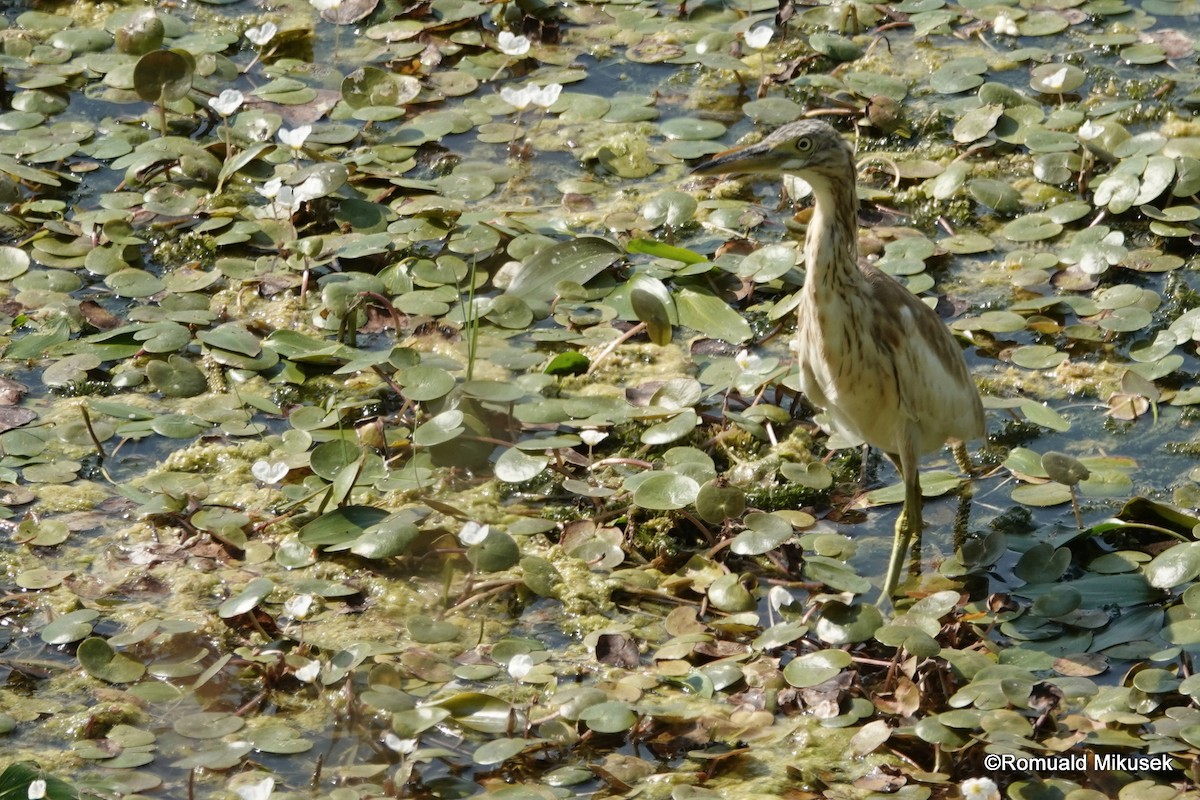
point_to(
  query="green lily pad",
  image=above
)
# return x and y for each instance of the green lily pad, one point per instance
(99, 660)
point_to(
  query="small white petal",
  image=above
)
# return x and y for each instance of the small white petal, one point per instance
(547, 95)
(256, 791)
(298, 606)
(269, 471)
(980, 789)
(747, 361)
(270, 189)
(519, 666)
(592, 437)
(227, 102)
(1005, 25)
(778, 597)
(326, 5)
(1055, 81)
(295, 137)
(472, 533)
(314, 186)
(517, 98)
(512, 45)
(1090, 130)
(309, 672)
(398, 745)
(262, 34)
(759, 37)
(37, 789)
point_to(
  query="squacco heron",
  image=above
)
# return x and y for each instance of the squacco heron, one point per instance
(874, 357)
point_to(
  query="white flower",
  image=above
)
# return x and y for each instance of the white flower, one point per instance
(592, 437)
(1090, 130)
(512, 45)
(286, 199)
(1005, 25)
(980, 789)
(1056, 81)
(298, 606)
(778, 597)
(270, 189)
(747, 361)
(547, 95)
(758, 38)
(227, 102)
(518, 98)
(314, 186)
(269, 471)
(398, 745)
(259, 129)
(309, 672)
(472, 533)
(262, 34)
(295, 137)
(256, 791)
(325, 5)
(37, 789)
(519, 666)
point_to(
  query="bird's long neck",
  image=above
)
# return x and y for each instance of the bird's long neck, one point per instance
(831, 246)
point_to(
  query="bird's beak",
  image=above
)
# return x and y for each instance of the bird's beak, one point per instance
(748, 160)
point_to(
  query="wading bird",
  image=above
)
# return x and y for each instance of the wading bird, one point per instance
(874, 357)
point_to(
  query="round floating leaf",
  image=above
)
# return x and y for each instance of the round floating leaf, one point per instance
(813, 669)
(517, 466)
(813, 475)
(497, 552)
(840, 623)
(40, 578)
(443, 428)
(730, 593)
(330, 458)
(255, 592)
(371, 86)
(177, 377)
(612, 716)
(1175, 566)
(666, 491)
(679, 426)
(1031, 228)
(718, 501)
(208, 725)
(163, 76)
(69, 627)
(1064, 468)
(392, 537)
(100, 661)
(13, 262)
(1056, 78)
(764, 532)
(430, 631)
(423, 382)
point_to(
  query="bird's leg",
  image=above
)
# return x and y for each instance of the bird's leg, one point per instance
(908, 526)
(962, 458)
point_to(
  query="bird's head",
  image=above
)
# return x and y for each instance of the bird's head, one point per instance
(806, 147)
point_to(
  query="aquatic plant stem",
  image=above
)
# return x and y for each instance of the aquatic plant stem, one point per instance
(87, 423)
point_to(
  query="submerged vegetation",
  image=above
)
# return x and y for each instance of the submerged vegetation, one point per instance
(386, 413)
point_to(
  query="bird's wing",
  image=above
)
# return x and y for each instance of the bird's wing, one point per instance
(936, 389)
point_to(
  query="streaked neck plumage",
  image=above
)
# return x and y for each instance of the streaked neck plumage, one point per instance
(831, 249)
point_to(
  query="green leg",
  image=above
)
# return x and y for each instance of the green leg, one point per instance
(908, 527)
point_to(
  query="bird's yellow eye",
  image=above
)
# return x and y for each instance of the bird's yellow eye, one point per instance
(803, 144)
